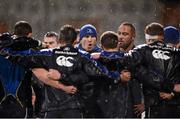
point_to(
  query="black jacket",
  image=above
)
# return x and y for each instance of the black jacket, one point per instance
(74, 69)
(117, 98)
(15, 79)
(158, 66)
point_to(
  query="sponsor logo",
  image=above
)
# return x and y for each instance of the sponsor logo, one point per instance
(64, 61)
(89, 31)
(159, 54)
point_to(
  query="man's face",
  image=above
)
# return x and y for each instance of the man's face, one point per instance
(126, 37)
(88, 42)
(50, 42)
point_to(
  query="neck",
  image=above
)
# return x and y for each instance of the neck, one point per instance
(111, 50)
(149, 41)
(130, 47)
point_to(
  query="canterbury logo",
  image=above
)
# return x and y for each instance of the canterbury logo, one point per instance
(64, 61)
(89, 31)
(159, 54)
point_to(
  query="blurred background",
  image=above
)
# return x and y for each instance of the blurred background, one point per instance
(50, 15)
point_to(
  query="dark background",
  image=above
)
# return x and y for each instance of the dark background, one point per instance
(50, 15)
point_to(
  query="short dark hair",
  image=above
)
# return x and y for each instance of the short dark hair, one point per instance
(52, 34)
(22, 28)
(109, 39)
(154, 29)
(68, 34)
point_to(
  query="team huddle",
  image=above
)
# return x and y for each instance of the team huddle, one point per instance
(74, 75)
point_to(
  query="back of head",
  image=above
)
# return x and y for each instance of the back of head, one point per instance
(68, 34)
(76, 42)
(78, 31)
(109, 40)
(154, 32)
(22, 28)
(171, 35)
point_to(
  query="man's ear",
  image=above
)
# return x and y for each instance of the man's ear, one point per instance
(133, 37)
(29, 35)
(148, 41)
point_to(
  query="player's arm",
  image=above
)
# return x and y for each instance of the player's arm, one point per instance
(45, 76)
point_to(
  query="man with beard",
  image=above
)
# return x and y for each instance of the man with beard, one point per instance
(127, 33)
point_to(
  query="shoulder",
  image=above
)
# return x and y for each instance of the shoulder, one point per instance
(141, 46)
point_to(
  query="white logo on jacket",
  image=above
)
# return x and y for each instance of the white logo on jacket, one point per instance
(64, 61)
(159, 54)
